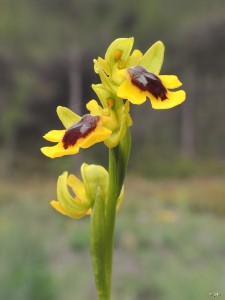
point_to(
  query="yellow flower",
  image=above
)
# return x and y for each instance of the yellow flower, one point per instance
(119, 57)
(95, 178)
(135, 76)
(79, 132)
(74, 207)
(140, 84)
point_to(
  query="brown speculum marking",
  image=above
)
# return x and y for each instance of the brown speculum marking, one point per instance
(83, 128)
(147, 81)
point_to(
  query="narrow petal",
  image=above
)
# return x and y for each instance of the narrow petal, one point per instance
(54, 135)
(101, 64)
(94, 108)
(170, 81)
(134, 58)
(174, 99)
(77, 186)
(102, 93)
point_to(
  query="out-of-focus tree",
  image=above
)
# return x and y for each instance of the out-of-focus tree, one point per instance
(204, 78)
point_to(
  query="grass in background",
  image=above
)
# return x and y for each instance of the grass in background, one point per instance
(175, 166)
(170, 242)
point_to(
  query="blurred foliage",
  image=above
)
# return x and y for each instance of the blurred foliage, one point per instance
(25, 273)
(158, 164)
(169, 242)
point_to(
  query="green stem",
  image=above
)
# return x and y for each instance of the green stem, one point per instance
(97, 243)
(103, 219)
(118, 160)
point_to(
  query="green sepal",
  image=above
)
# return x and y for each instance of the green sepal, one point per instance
(134, 58)
(94, 176)
(152, 60)
(67, 116)
(101, 64)
(122, 44)
(106, 81)
(102, 93)
(105, 94)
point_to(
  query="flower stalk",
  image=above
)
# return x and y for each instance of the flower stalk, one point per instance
(97, 246)
(127, 78)
(103, 219)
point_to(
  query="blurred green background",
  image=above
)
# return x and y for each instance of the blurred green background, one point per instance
(170, 236)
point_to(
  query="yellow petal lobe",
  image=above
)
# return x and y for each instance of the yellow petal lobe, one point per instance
(174, 99)
(54, 135)
(58, 150)
(170, 81)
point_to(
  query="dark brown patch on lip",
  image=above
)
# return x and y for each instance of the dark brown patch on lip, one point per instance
(147, 81)
(83, 128)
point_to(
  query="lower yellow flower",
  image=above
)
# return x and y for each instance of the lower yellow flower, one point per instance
(94, 177)
(80, 132)
(74, 207)
(140, 84)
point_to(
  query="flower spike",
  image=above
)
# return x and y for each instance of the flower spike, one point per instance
(126, 76)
